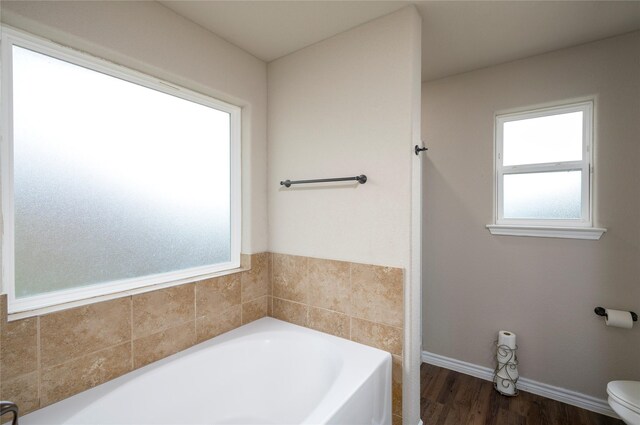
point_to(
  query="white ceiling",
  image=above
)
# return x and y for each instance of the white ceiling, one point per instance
(462, 36)
(457, 36)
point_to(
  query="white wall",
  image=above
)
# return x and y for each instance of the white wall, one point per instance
(346, 106)
(543, 289)
(342, 107)
(151, 38)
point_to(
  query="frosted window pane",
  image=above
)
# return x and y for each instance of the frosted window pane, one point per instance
(555, 195)
(112, 180)
(554, 138)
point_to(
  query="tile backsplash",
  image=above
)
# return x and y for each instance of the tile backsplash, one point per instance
(361, 302)
(50, 357)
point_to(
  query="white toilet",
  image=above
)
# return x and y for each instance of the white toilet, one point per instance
(624, 399)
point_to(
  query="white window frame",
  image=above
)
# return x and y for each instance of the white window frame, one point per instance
(581, 228)
(11, 37)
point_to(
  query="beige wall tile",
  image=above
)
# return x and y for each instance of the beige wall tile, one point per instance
(384, 337)
(159, 310)
(270, 306)
(245, 261)
(2, 328)
(329, 284)
(80, 374)
(292, 312)
(330, 322)
(254, 310)
(396, 385)
(377, 294)
(22, 390)
(271, 273)
(214, 296)
(83, 330)
(154, 347)
(208, 327)
(289, 277)
(3, 309)
(19, 348)
(256, 282)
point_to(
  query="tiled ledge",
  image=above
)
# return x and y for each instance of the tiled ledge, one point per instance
(245, 266)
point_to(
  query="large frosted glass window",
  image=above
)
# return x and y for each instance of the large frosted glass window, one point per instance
(543, 166)
(116, 184)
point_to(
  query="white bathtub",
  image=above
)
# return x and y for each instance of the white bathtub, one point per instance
(266, 372)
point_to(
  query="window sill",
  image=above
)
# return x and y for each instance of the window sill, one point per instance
(18, 315)
(589, 233)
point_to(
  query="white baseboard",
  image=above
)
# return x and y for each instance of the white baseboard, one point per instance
(549, 391)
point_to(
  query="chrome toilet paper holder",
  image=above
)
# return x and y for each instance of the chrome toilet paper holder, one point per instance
(600, 311)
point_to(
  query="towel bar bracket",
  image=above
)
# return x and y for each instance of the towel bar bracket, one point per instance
(417, 149)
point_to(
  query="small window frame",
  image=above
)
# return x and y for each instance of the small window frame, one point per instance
(584, 165)
(97, 292)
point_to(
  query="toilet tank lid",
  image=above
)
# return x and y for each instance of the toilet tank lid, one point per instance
(626, 391)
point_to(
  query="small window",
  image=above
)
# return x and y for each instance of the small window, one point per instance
(543, 167)
(111, 180)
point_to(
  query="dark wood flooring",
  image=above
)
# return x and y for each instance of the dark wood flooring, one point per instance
(452, 398)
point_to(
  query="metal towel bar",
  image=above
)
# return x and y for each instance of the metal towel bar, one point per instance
(362, 179)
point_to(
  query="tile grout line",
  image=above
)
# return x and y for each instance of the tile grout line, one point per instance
(86, 354)
(378, 323)
(329, 310)
(195, 333)
(255, 299)
(291, 301)
(340, 312)
(222, 313)
(172, 326)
